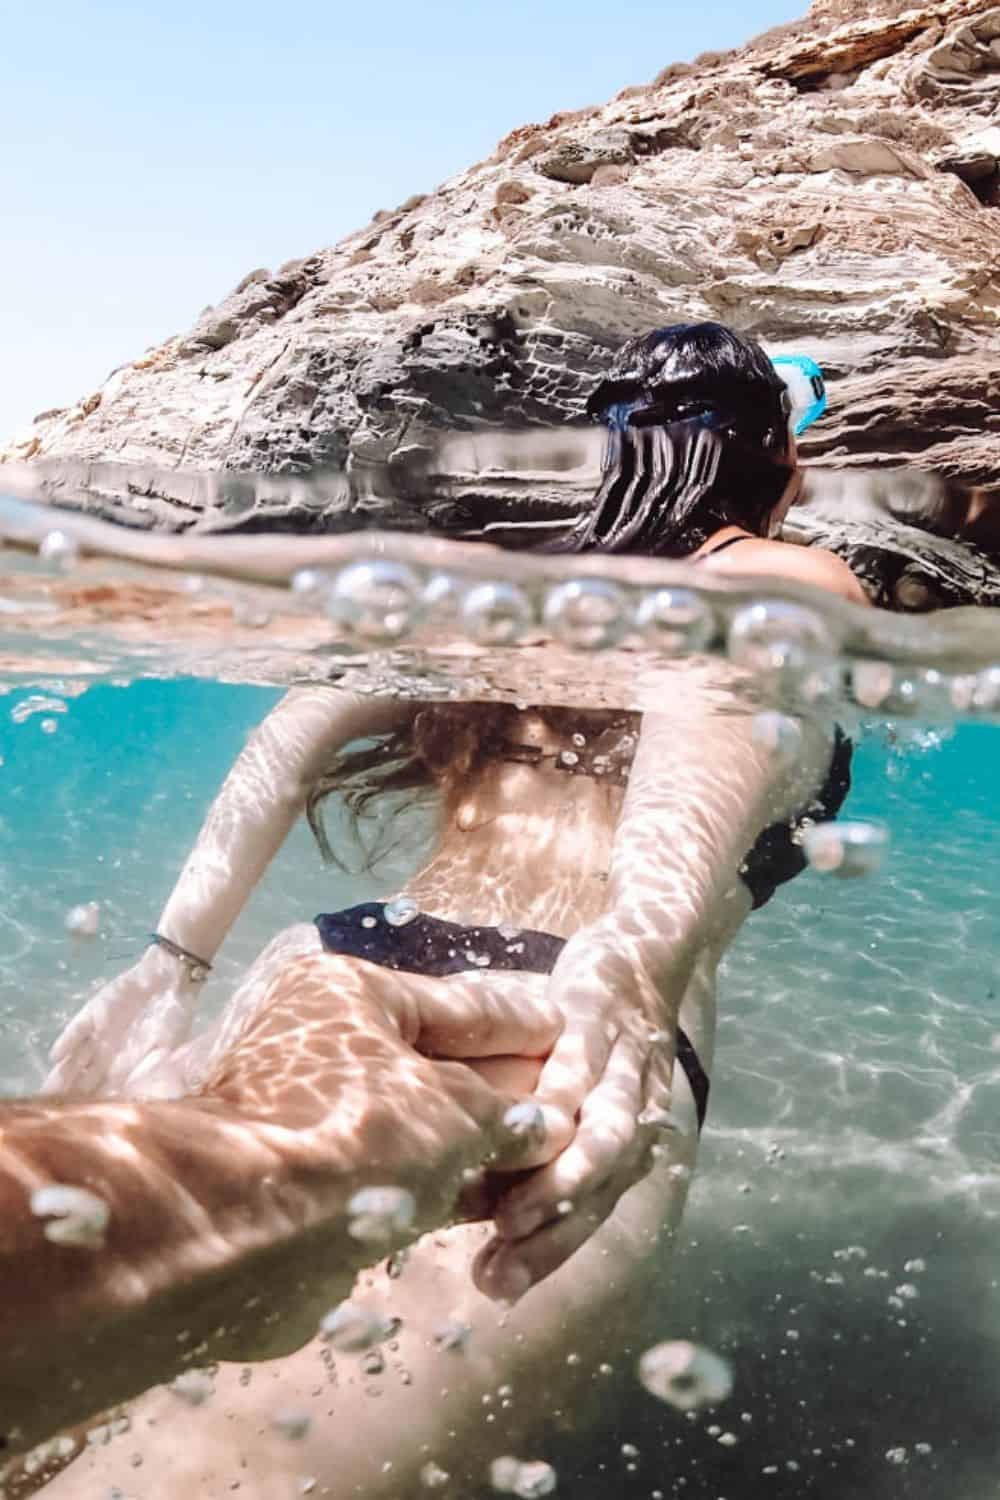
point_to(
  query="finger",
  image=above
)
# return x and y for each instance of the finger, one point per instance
(576, 1064)
(517, 1132)
(607, 1136)
(78, 1074)
(505, 1270)
(536, 1141)
(509, 1075)
(75, 1034)
(486, 1020)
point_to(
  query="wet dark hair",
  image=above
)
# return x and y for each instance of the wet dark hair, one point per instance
(697, 421)
(439, 748)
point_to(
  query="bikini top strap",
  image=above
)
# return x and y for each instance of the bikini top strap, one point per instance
(730, 541)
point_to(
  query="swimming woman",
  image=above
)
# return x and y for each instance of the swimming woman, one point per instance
(599, 862)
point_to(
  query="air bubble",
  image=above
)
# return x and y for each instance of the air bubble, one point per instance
(986, 692)
(915, 1267)
(442, 596)
(379, 600)
(396, 1264)
(453, 1336)
(525, 1119)
(871, 682)
(786, 640)
(529, 1481)
(380, 1213)
(193, 1387)
(685, 1375)
(36, 703)
(373, 1363)
(496, 614)
(896, 1455)
(83, 921)
(310, 583)
(351, 1328)
(293, 1425)
(589, 614)
(779, 735)
(845, 849)
(59, 550)
(49, 726)
(76, 1216)
(568, 758)
(433, 1477)
(675, 620)
(400, 912)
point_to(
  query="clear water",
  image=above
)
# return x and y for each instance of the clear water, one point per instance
(855, 1091)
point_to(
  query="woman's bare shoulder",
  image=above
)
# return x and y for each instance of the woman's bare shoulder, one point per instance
(811, 565)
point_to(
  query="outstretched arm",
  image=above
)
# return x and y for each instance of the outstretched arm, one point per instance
(149, 1009)
(700, 791)
(222, 1226)
(258, 803)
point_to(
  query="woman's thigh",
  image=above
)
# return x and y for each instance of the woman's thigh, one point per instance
(366, 1424)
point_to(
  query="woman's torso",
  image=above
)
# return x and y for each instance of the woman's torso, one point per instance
(528, 840)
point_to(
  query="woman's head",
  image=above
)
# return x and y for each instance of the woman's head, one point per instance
(698, 439)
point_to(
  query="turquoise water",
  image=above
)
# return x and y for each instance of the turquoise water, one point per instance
(853, 1129)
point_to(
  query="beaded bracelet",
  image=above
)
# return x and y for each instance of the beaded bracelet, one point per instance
(198, 969)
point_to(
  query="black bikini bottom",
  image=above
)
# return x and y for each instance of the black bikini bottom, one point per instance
(431, 946)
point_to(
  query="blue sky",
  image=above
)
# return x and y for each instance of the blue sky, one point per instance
(153, 153)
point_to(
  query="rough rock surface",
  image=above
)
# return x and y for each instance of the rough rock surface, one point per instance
(832, 187)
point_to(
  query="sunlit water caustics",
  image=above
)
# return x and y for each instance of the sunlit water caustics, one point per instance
(838, 1256)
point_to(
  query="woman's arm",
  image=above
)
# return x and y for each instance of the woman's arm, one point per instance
(258, 803)
(700, 791)
(149, 1008)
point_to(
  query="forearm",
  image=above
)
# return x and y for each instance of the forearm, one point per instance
(210, 1223)
(259, 802)
(700, 791)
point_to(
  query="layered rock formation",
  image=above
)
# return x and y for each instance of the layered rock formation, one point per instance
(833, 187)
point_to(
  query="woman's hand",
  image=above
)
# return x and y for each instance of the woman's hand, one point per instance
(611, 1070)
(134, 1019)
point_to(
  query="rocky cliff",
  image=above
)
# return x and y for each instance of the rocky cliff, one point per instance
(832, 187)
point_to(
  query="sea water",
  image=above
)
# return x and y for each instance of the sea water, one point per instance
(840, 1246)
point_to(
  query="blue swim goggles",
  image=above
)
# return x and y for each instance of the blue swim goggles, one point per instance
(804, 398)
(803, 380)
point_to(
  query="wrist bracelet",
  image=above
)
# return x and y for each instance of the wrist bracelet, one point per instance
(198, 969)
